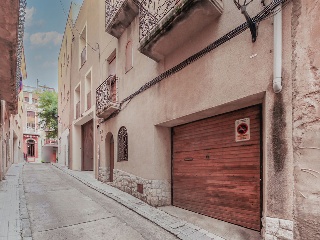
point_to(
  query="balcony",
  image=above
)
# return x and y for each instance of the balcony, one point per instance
(88, 100)
(30, 130)
(78, 110)
(119, 15)
(107, 97)
(167, 24)
(83, 56)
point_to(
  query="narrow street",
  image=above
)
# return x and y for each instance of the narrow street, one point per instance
(60, 207)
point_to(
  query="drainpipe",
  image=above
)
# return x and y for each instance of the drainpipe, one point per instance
(277, 60)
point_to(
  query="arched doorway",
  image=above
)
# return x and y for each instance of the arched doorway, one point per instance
(111, 158)
(109, 155)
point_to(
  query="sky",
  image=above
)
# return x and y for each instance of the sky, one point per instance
(44, 28)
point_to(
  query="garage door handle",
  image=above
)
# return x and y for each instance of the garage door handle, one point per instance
(188, 159)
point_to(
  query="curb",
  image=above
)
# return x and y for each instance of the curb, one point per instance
(179, 228)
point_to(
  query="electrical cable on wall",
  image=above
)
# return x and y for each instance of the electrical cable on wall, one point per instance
(74, 27)
(266, 13)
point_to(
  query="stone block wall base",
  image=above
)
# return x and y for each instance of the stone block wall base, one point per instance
(278, 229)
(155, 192)
(104, 174)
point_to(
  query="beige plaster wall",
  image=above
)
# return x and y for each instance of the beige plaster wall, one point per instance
(79, 73)
(16, 125)
(306, 117)
(5, 139)
(237, 74)
(65, 103)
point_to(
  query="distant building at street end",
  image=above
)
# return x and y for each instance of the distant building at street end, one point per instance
(34, 137)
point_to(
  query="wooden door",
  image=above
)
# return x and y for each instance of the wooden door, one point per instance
(111, 158)
(54, 156)
(215, 175)
(87, 146)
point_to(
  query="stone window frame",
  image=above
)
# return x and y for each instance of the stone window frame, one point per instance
(122, 144)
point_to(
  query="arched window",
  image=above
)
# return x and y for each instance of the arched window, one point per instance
(128, 56)
(122, 144)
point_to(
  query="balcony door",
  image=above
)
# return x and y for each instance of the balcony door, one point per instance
(112, 65)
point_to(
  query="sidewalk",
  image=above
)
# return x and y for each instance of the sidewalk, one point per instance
(10, 223)
(174, 225)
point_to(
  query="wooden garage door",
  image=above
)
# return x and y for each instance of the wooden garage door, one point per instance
(215, 175)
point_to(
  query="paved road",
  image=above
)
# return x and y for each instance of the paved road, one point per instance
(61, 207)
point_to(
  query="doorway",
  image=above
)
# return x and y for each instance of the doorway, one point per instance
(87, 146)
(109, 156)
(30, 145)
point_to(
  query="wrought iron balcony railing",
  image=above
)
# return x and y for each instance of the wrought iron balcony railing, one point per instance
(174, 20)
(107, 97)
(119, 15)
(153, 12)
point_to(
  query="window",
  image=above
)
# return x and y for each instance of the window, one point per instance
(77, 98)
(122, 144)
(30, 114)
(31, 125)
(26, 99)
(88, 90)
(34, 100)
(128, 56)
(112, 64)
(83, 46)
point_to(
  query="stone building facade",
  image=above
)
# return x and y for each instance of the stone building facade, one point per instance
(199, 111)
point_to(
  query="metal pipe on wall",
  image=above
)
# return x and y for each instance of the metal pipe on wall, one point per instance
(277, 61)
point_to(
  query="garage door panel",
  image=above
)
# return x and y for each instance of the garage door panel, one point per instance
(218, 131)
(222, 151)
(218, 195)
(220, 189)
(246, 219)
(224, 133)
(220, 120)
(213, 174)
(205, 144)
(222, 212)
(239, 208)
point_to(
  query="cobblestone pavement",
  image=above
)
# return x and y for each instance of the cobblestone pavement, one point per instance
(61, 207)
(181, 229)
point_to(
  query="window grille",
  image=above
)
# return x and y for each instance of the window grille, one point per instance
(122, 144)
